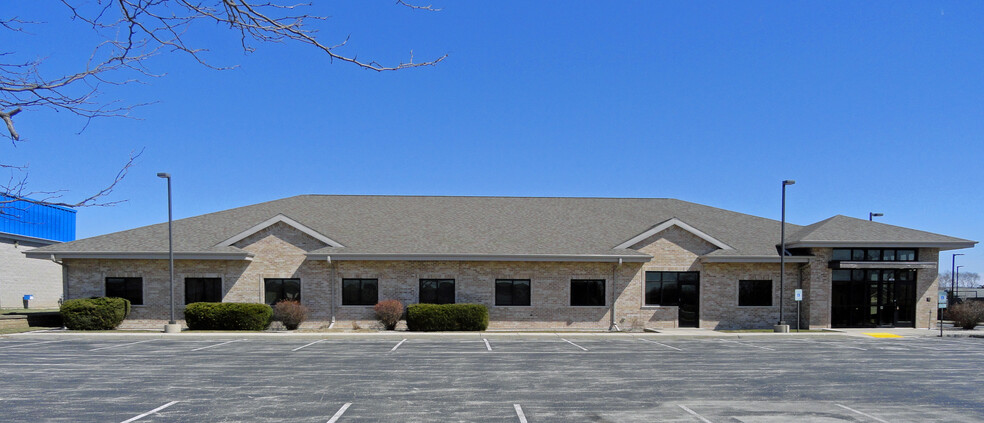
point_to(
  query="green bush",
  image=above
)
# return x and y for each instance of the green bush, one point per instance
(94, 313)
(447, 317)
(228, 316)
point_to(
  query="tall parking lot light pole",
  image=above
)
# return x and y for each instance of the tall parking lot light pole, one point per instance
(953, 276)
(872, 216)
(781, 326)
(172, 325)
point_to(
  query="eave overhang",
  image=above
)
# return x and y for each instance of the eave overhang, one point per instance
(943, 245)
(754, 259)
(149, 255)
(882, 265)
(603, 258)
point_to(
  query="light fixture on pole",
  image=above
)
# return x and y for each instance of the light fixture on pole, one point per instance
(172, 326)
(782, 326)
(872, 216)
(956, 282)
(953, 276)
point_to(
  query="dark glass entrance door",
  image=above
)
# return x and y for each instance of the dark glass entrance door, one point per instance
(873, 297)
(689, 285)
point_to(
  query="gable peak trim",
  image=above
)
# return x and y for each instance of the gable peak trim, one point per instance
(680, 224)
(280, 218)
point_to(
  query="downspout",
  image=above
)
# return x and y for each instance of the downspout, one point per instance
(614, 326)
(331, 285)
(64, 267)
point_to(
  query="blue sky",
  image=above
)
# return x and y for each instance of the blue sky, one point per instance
(869, 106)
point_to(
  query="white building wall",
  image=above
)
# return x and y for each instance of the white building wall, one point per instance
(20, 275)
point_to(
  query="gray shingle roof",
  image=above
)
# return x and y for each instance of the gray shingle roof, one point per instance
(457, 225)
(847, 230)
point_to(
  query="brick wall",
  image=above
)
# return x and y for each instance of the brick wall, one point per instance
(279, 253)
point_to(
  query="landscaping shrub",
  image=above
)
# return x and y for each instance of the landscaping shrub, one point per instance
(447, 317)
(389, 313)
(967, 314)
(291, 313)
(94, 313)
(227, 316)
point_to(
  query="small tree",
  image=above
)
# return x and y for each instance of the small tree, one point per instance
(389, 312)
(290, 313)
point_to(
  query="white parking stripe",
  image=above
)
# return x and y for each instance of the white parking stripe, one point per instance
(216, 345)
(308, 345)
(339, 413)
(519, 412)
(487, 346)
(150, 412)
(693, 413)
(861, 413)
(121, 345)
(747, 345)
(576, 345)
(657, 343)
(28, 344)
(398, 344)
(836, 344)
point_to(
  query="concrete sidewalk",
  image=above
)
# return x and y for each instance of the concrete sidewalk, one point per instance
(658, 333)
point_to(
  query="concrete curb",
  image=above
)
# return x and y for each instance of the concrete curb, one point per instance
(670, 334)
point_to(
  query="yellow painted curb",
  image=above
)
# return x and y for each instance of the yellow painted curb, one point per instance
(882, 335)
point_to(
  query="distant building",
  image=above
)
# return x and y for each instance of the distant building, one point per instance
(25, 226)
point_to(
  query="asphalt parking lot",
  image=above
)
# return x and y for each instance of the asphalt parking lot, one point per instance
(541, 378)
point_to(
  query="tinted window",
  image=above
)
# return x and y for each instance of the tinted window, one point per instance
(755, 293)
(128, 288)
(841, 254)
(587, 292)
(282, 289)
(512, 292)
(437, 291)
(663, 288)
(199, 290)
(360, 291)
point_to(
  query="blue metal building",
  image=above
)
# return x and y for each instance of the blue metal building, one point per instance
(23, 218)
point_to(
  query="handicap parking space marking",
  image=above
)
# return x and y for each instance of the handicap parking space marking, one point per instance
(882, 335)
(861, 413)
(216, 345)
(308, 345)
(338, 414)
(660, 343)
(576, 345)
(693, 413)
(121, 345)
(398, 344)
(138, 417)
(519, 413)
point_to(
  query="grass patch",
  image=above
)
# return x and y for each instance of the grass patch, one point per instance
(8, 331)
(27, 310)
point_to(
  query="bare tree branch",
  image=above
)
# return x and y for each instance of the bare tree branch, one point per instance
(413, 6)
(14, 192)
(134, 31)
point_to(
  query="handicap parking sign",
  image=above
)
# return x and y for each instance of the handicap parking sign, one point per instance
(943, 298)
